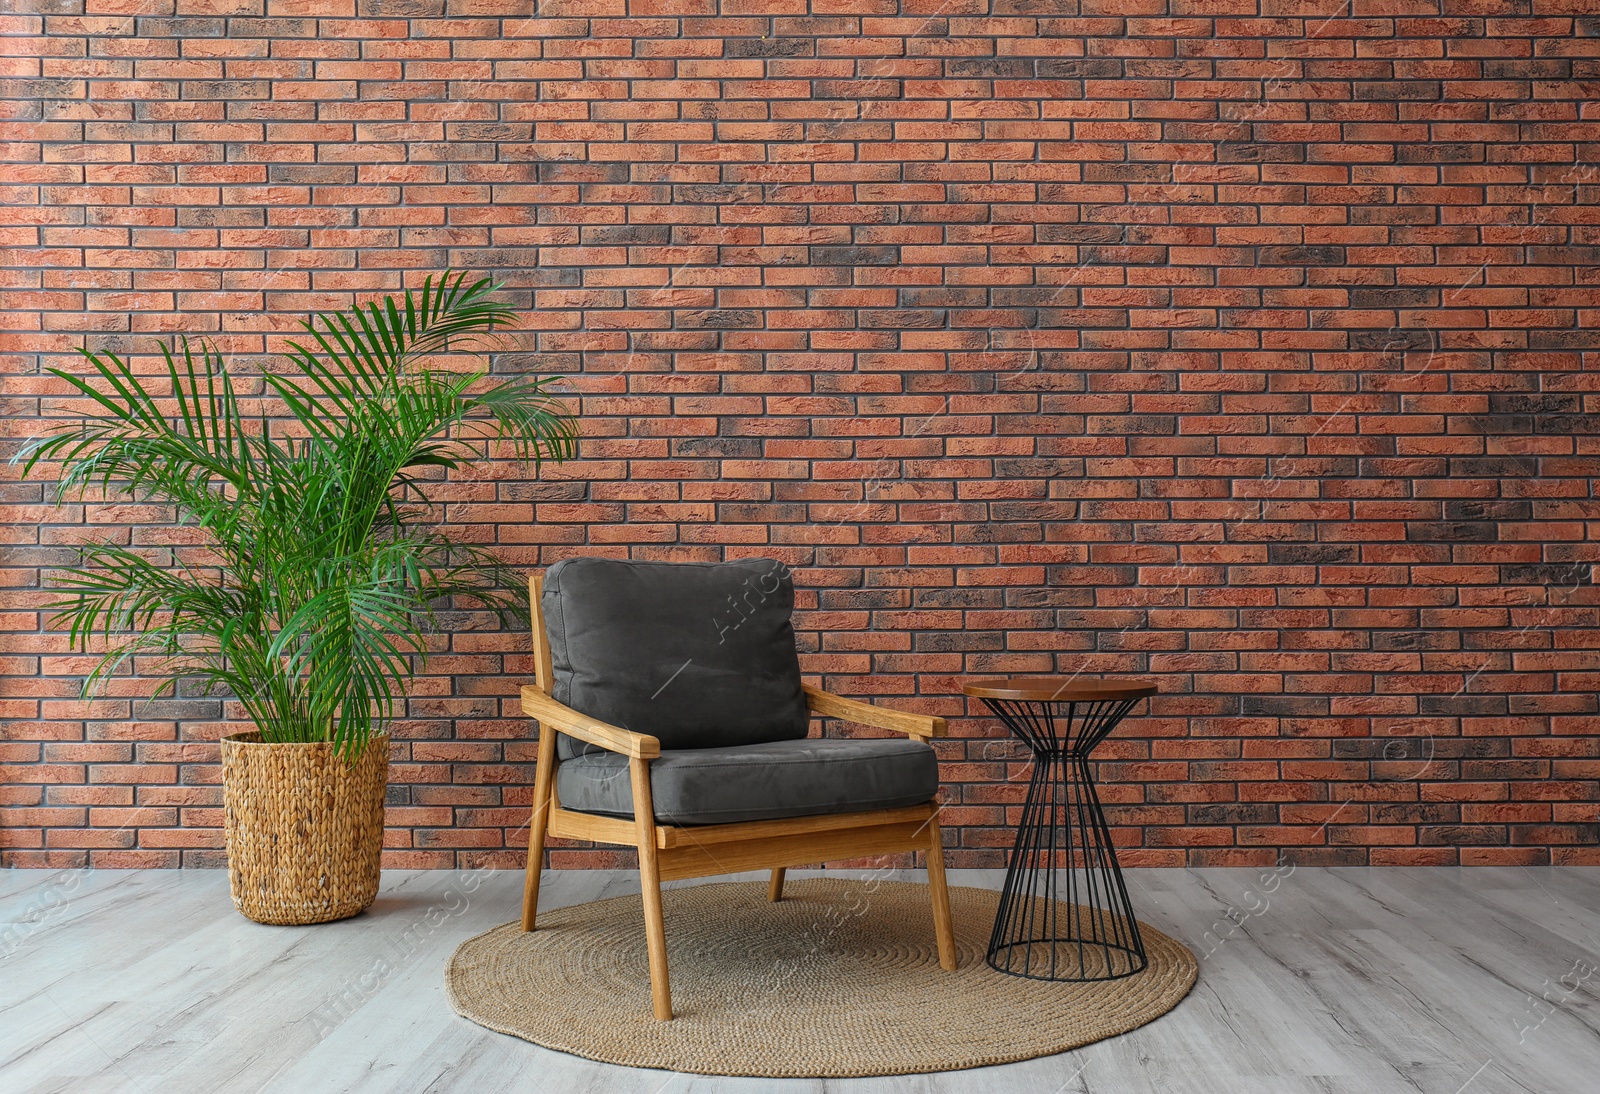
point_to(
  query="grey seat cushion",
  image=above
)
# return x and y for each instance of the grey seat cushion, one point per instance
(759, 781)
(698, 655)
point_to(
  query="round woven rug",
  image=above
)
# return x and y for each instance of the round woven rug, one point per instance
(839, 979)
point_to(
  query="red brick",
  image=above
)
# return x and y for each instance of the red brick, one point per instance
(1024, 363)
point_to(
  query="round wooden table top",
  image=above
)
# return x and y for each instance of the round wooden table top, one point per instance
(1060, 689)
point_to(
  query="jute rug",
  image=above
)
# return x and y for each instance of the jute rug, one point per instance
(840, 978)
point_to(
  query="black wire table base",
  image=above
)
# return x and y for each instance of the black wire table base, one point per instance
(1064, 910)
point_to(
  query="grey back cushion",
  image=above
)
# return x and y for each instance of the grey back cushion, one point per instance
(698, 655)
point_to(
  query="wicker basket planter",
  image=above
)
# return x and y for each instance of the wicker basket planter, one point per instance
(304, 828)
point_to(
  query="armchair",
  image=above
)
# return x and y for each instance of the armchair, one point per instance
(673, 719)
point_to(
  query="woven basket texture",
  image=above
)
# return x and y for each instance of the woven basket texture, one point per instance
(840, 978)
(304, 828)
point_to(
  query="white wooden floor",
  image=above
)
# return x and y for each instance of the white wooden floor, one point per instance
(1439, 981)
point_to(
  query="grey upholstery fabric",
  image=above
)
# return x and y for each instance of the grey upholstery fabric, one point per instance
(758, 781)
(698, 655)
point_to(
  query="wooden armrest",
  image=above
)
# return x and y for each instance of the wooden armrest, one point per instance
(866, 714)
(536, 704)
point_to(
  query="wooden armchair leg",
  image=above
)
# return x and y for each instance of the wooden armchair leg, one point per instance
(942, 928)
(538, 823)
(655, 932)
(775, 886)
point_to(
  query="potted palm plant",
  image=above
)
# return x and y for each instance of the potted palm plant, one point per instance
(316, 588)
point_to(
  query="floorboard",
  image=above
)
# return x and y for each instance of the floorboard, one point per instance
(1368, 981)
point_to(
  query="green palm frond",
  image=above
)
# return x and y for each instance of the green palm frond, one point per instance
(314, 610)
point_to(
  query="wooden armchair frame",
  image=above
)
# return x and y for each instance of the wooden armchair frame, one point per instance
(667, 852)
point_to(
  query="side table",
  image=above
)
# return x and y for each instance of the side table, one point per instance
(1091, 933)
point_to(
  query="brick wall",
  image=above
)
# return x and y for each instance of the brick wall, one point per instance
(1247, 347)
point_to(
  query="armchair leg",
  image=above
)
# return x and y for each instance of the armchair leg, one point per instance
(543, 783)
(655, 932)
(942, 928)
(775, 886)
